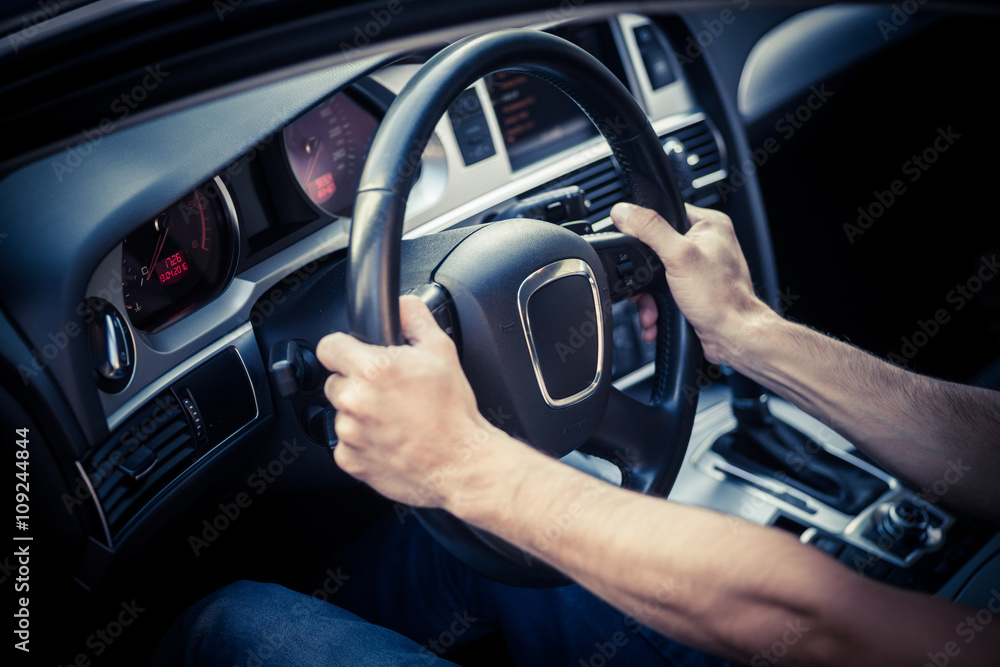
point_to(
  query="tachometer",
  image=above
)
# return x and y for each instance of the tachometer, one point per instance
(326, 149)
(180, 258)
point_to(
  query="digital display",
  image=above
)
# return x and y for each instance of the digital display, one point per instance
(179, 258)
(170, 269)
(535, 118)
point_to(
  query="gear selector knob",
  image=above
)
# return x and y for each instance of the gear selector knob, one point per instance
(904, 521)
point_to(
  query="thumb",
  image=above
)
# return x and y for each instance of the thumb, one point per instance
(646, 225)
(416, 321)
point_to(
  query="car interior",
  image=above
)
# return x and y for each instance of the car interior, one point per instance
(193, 194)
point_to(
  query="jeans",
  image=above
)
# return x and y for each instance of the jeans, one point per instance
(398, 577)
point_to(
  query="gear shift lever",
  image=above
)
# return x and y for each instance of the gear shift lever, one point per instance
(766, 446)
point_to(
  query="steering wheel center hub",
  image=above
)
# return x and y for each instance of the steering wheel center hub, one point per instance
(533, 316)
(560, 308)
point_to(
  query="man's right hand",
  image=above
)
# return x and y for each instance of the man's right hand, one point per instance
(707, 273)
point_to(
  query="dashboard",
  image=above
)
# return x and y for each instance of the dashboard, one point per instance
(200, 291)
(507, 138)
(181, 311)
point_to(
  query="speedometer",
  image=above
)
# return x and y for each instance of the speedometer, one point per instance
(180, 258)
(326, 149)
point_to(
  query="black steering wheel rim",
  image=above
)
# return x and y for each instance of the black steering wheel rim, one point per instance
(375, 250)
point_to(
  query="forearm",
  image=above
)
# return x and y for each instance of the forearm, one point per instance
(931, 433)
(934, 434)
(707, 580)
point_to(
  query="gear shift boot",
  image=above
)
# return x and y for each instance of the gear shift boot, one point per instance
(766, 446)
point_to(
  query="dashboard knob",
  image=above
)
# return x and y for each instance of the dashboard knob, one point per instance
(904, 521)
(111, 349)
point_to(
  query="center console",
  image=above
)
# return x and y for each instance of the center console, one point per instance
(886, 531)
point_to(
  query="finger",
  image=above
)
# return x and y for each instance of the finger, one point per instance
(707, 217)
(342, 353)
(647, 226)
(647, 311)
(346, 453)
(349, 431)
(335, 388)
(648, 314)
(697, 214)
(417, 323)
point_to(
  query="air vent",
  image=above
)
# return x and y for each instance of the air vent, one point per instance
(604, 187)
(703, 160)
(140, 458)
(599, 180)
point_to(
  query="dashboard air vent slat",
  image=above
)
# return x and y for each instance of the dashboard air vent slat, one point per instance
(117, 478)
(704, 159)
(163, 431)
(164, 472)
(120, 487)
(600, 180)
(604, 186)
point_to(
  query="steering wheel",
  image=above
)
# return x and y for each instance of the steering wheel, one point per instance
(529, 301)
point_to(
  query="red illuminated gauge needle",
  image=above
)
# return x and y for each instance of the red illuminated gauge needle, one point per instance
(312, 146)
(157, 250)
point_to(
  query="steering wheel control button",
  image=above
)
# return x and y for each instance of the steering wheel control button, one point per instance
(471, 129)
(439, 303)
(629, 268)
(561, 314)
(581, 227)
(625, 261)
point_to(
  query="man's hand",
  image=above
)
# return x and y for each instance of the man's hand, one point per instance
(406, 416)
(707, 274)
(917, 427)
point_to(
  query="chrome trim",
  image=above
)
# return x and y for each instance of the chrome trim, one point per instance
(714, 177)
(548, 274)
(85, 478)
(235, 243)
(113, 370)
(165, 380)
(253, 390)
(545, 171)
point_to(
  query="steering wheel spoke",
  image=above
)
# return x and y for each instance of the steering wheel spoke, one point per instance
(631, 266)
(635, 437)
